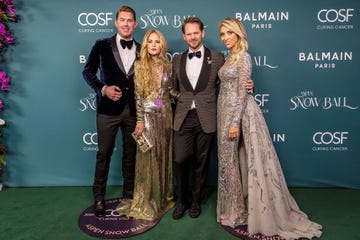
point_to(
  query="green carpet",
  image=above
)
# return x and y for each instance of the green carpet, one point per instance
(52, 213)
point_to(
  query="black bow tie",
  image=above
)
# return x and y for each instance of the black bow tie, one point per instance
(196, 54)
(125, 43)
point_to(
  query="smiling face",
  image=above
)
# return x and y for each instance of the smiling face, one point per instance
(153, 44)
(125, 24)
(193, 35)
(228, 37)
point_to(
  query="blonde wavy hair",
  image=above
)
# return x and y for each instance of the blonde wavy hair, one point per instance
(144, 66)
(238, 28)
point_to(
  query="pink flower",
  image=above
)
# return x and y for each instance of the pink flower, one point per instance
(9, 39)
(158, 102)
(11, 10)
(2, 29)
(4, 81)
(2, 76)
(5, 86)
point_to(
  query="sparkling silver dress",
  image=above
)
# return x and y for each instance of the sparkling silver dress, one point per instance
(251, 185)
(153, 192)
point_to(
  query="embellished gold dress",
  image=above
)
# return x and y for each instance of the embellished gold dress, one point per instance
(251, 185)
(153, 192)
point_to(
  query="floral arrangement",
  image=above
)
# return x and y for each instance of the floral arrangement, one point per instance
(7, 14)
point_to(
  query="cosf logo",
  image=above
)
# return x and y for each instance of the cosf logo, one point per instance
(260, 99)
(90, 138)
(92, 19)
(335, 15)
(330, 138)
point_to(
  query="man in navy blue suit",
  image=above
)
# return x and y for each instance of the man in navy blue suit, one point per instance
(114, 58)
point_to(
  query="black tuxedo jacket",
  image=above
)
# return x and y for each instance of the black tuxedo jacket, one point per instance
(104, 56)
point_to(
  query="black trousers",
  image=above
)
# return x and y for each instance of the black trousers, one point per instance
(107, 129)
(191, 151)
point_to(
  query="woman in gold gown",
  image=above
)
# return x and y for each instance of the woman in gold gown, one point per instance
(153, 192)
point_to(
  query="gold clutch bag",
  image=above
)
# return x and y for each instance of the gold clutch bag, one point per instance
(143, 142)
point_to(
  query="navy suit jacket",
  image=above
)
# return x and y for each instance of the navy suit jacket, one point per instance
(104, 56)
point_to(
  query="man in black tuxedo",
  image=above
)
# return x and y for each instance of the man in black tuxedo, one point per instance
(114, 57)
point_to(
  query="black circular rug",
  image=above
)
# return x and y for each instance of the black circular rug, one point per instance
(112, 225)
(241, 232)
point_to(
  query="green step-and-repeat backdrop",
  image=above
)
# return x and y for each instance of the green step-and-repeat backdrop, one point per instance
(306, 72)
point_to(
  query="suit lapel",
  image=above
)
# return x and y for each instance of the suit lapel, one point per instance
(137, 56)
(205, 72)
(116, 54)
(183, 76)
(118, 60)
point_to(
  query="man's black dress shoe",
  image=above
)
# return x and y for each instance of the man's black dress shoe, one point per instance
(128, 194)
(195, 210)
(99, 208)
(179, 211)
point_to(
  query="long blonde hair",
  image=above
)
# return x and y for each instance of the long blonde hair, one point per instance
(144, 67)
(238, 28)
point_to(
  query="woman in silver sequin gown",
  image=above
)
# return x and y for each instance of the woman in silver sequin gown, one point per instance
(153, 192)
(251, 185)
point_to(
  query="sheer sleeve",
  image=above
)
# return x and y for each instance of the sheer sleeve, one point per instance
(245, 67)
(139, 98)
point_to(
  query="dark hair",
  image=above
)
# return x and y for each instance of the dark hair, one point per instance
(193, 19)
(126, 9)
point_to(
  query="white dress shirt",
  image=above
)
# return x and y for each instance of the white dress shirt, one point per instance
(193, 68)
(127, 55)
